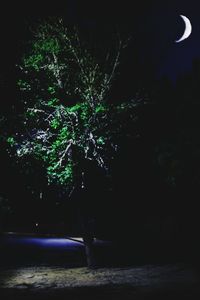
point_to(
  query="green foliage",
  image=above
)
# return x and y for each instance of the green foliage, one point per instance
(34, 61)
(51, 90)
(55, 123)
(100, 140)
(23, 85)
(11, 141)
(49, 45)
(62, 133)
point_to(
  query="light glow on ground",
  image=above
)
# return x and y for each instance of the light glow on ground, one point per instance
(44, 241)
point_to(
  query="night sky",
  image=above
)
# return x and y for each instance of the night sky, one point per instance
(152, 25)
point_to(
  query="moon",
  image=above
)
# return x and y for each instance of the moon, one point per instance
(188, 29)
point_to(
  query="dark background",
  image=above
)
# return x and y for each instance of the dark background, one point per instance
(142, 202)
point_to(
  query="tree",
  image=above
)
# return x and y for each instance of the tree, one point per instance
(67, 121)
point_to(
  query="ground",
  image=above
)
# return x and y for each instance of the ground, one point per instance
(172, 281)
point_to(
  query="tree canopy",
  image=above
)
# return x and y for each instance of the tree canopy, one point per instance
(67, 119)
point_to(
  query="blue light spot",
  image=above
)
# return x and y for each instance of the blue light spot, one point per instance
(44, 242)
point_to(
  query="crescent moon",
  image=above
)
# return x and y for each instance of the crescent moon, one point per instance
(188, 29)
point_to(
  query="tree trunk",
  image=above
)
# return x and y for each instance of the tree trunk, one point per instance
(89, 251)
(85, 211)
(87, 234)
(88, 239)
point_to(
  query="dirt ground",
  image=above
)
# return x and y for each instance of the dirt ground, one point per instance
(141, 282)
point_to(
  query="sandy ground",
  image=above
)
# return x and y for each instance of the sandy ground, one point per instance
(160, 282)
